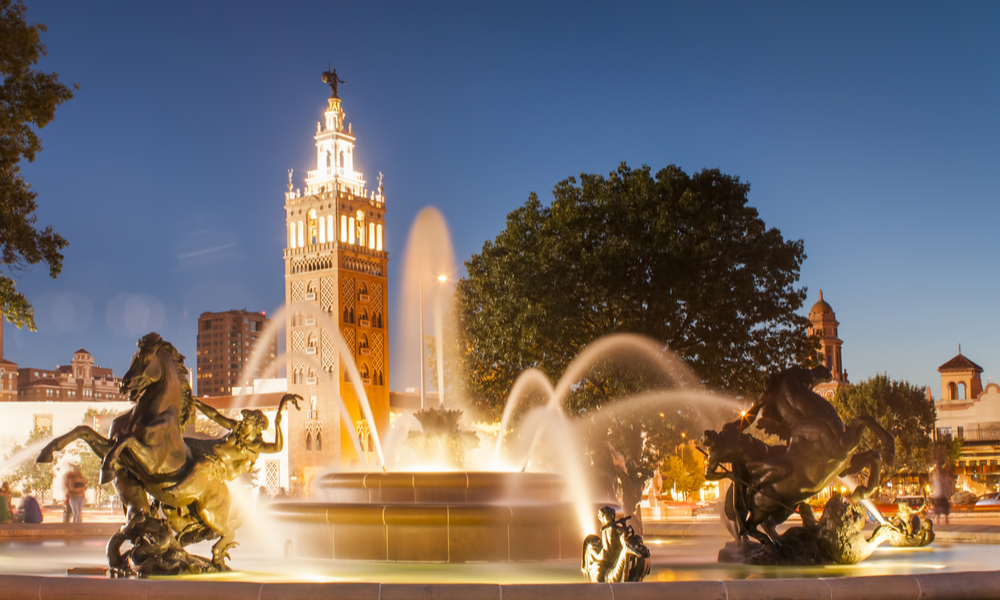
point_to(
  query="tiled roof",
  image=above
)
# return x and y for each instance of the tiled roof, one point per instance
(261, 401)
(960, 363)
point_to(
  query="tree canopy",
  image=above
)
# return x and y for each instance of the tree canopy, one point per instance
(900, 407)
(680, 258)
(28, 101)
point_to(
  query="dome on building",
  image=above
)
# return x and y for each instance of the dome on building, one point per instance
(821, 306)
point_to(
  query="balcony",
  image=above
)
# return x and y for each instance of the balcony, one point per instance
(364, 322)
(365, 351)
(364, 298)
(310, 381)
(310, 322)
(312, 415)
(311, 350)
(366, 380)
(310, 296)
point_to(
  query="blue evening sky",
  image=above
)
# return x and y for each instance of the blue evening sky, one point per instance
(869, 130)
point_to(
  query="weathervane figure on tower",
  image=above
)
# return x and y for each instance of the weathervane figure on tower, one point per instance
(330, 78)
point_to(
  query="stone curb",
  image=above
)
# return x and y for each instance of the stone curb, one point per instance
(44, 531)
(944, 586)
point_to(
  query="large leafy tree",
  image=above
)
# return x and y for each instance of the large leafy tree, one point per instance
(28, 101)
(680, 258)
(900, 407)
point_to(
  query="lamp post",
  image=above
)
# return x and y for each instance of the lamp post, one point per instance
(423, 367)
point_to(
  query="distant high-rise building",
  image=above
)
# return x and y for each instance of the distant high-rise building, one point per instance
(226, 343)
(335, 279)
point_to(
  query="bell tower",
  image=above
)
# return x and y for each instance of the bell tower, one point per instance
(824, 324)
(335, 282)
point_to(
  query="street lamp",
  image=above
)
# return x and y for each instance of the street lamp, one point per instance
(442, 279)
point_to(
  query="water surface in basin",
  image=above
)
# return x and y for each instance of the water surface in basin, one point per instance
(673, 560)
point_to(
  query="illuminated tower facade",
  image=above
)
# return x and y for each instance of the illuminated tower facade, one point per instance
(335, 283)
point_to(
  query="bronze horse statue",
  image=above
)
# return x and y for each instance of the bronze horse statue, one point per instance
(145, 453)
(145, 440)
(771, 482)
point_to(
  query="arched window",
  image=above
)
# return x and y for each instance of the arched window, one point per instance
(952, 391)
(363, 341)
(362, 289)
(312, 227)
(309, 442)
(302, 234)
(311, 341)
(329, 159)
(961, 391)
(378, 238)
(322, 230)
(343, 228)
(371, 235)
(291, 234)
(342, 159)
(329, 228)
(361, 227)
(350, 230)
(363, 314)
(364, 370)
(319, 441)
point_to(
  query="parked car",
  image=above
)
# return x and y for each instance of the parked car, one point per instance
(992, 499)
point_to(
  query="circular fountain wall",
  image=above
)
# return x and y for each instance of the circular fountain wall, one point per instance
(462, 516)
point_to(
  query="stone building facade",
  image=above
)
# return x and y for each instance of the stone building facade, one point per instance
(227, 342)
(336, 298)
(80, 381)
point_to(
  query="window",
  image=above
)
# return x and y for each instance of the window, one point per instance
(371, 235)
(952, 391)
(322, 230)
(378, 238)
(309, 442)
(291, 242)
(343, 228)
(301, 235)
(361, 227)
(961, 391)
(329, 228)
(350, 230)
(319, 441)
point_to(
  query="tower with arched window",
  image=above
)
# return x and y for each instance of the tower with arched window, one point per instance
(335, 284)
(824, 325)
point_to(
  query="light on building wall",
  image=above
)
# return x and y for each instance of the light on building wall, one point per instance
(350, 230)
(322, 230)
(378, 238)
(343, 228)
(371, 235)
(329, 228)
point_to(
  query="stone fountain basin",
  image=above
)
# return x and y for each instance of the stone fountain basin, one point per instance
(408, 532)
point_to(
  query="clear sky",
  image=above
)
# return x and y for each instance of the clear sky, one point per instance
(869, 130)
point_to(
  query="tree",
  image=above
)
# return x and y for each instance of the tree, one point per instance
(684, 470)
(28, 100)
(681, 259)
(31, 477)
(902, 408)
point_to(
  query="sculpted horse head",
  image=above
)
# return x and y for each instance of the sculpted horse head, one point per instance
(157, 364)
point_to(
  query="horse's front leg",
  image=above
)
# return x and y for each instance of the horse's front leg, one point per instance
(871, 459)
(97, 442)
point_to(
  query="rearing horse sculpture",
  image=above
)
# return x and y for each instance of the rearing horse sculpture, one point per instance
(145, 440)
(770, 482)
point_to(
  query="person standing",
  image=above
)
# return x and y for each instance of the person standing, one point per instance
(76, 489)
(6, 514)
